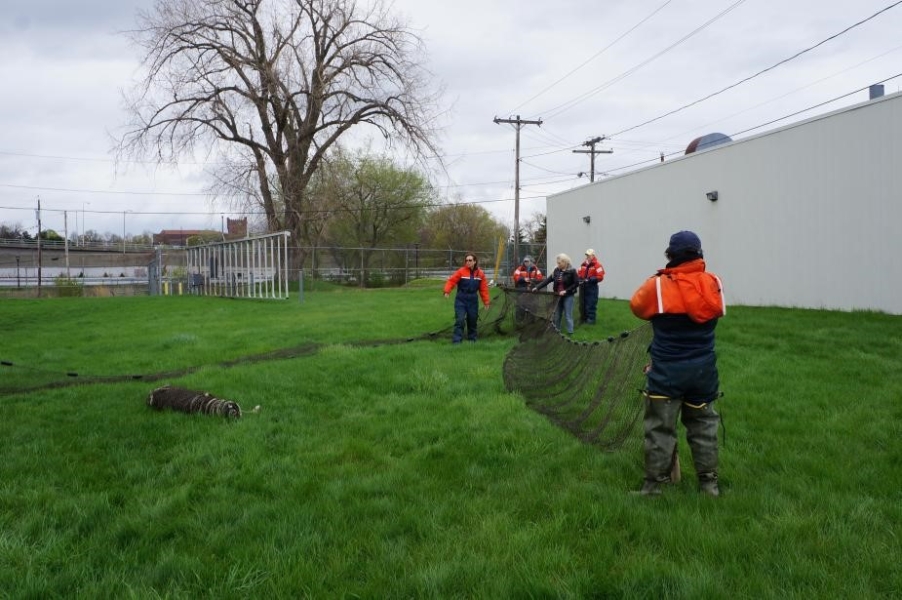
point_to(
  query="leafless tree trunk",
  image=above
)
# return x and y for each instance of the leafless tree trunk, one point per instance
(271, 85)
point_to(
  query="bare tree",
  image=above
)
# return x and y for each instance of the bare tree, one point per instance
(271, 85)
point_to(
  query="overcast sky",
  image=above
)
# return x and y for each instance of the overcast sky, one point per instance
(586, 68)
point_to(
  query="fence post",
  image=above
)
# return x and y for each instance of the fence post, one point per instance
(301, 285)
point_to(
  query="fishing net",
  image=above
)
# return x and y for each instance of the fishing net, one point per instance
(591, 389)
(513, 311)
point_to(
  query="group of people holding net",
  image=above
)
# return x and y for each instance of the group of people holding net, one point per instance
(682, 301)
(567, 281)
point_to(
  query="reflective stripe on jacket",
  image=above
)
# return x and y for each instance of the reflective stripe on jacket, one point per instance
(683, 304)
(686, 289)
(469, 282)
(524, 276)
(591, 271)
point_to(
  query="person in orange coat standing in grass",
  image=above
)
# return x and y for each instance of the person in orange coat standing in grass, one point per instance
(527, 274)
(683, 301)
(471, 285)
(591, 273)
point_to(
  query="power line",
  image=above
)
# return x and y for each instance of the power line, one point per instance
(544, 169)
(150, 162)
(550, 152)
(658, 144)
(83, 191)
(761, 72)
(771, 122)
(826, 102)
(550, 138)
(593, 57)
(246, 212)
(557, 110)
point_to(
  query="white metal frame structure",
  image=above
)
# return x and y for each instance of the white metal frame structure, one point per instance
(250, 268)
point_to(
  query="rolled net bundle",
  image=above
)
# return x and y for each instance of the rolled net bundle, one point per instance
(191, 401)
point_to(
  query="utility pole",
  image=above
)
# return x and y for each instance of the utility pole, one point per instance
(518, 123)
(66, 238)
(592, 152)
(39, 246)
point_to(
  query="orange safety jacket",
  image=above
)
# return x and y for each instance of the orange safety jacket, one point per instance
(591, 270)
(686, 289)
(525, 276)
(469, 282)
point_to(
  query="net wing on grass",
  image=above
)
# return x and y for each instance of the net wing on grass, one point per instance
(591, 389)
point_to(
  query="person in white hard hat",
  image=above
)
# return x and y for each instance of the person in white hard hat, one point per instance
(591, 273)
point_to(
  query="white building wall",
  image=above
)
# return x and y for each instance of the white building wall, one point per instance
(808, 215)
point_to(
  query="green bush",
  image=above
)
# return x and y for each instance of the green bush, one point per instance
(376, 279)
(67, 287)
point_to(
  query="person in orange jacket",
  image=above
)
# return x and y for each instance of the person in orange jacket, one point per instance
(683, 301)
(471, 284)
(591, 273)
(527, 274)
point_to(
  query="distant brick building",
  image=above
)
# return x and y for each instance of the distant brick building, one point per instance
(236, 229)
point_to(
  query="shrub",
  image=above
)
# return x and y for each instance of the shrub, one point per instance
(67, 287)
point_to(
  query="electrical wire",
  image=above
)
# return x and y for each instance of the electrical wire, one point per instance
(591, 58)
(561, 108)
(760, 104)
(761, 72)
(771, 122)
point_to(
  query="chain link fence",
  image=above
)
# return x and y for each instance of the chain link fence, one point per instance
(381, 267)
(141, 270)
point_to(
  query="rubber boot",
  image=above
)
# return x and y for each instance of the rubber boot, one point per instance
(701, 423)
(707, 484)
(660, 442)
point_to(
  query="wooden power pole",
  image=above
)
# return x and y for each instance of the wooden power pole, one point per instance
(40, 261)
(592, 152)
(518, 123)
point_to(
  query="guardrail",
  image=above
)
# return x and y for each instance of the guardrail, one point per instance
(61, 245)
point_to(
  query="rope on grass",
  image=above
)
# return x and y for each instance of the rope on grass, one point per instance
(44, 379)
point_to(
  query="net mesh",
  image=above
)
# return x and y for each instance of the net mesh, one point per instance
(590, 389)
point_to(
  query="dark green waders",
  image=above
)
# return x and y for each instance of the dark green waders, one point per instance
(700, 420)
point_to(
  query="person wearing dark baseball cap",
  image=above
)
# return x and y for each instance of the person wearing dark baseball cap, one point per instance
(683, 301)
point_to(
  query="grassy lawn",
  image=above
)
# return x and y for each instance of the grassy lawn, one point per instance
(390, 470)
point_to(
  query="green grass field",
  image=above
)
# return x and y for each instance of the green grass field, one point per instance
(407, 471)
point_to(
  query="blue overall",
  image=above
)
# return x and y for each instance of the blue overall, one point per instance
(588, 296)
(466, 308)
